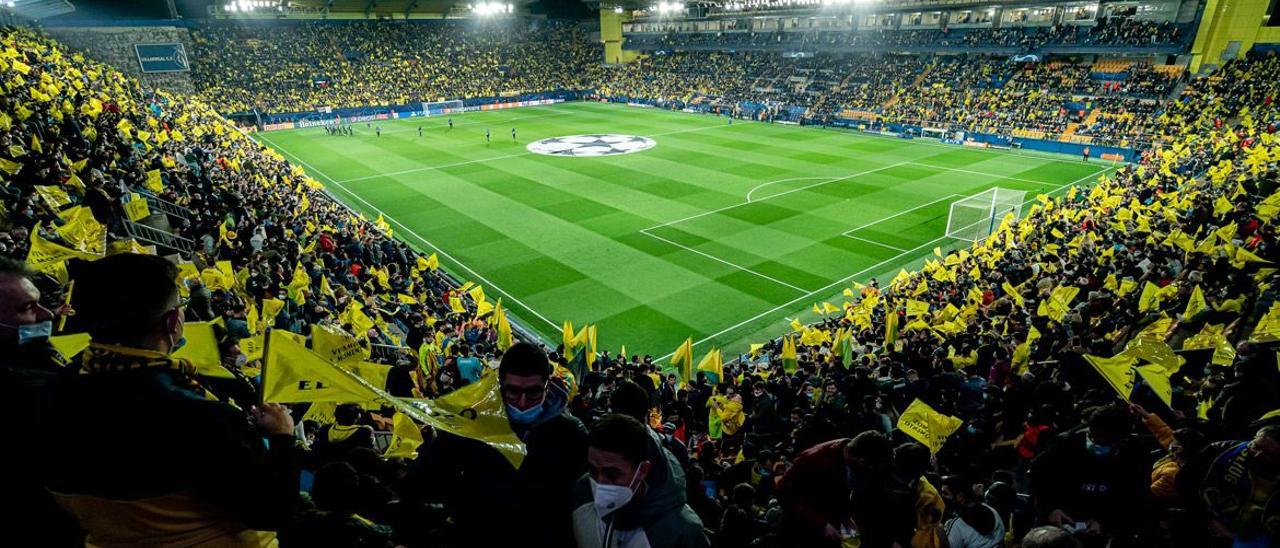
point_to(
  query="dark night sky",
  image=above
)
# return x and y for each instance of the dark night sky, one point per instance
(559, 9)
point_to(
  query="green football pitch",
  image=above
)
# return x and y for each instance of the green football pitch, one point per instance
(720, 232)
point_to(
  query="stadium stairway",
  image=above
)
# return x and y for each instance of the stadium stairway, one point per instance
(915, 84)
(1073, 126)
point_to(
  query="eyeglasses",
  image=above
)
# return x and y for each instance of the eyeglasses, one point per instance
(532, 393)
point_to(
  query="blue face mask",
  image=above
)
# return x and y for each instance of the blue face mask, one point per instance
(182, 341)
(31, 332)
(524, 417)
(1098, 450)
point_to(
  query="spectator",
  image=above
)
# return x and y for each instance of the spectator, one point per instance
(476, 483)
(832, 490)
(171, 466)
(29, 365)
(1231, 480)
(634, 494)
(1090, 478)
(975, 524)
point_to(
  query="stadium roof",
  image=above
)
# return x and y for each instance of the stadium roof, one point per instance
(37, 9)
(387, 7)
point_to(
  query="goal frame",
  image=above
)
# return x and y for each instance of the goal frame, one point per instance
(994, 203)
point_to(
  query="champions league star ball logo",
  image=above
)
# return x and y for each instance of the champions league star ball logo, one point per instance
(585, 146)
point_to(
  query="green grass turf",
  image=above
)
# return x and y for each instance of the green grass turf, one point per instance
(661, 245)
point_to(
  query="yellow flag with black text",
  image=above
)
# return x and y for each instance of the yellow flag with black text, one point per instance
(927, 426)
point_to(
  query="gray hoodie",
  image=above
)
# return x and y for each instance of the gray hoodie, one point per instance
(659, 518)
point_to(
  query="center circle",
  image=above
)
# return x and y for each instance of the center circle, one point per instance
(593, 145)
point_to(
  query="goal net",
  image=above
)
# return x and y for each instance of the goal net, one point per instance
(977, 216)
(441, 107)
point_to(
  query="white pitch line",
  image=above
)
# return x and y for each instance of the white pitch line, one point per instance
(1052, 157)
(901, 213)
(881, 244)
(771, 196)
(993, 175)
(446, 254)
(413, 126)
(428, 168)
(719, 260)
(493, 159)
(762, 185)
(841, 281)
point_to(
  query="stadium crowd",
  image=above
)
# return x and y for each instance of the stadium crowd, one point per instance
(315, 65)
(1100, 372)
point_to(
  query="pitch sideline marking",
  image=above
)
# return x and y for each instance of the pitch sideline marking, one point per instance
(718, 259)
(854, 275)
(515, 299)
(496, 158)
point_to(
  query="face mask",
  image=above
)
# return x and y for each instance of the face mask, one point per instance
(523, 417)
(31, 332)
(1097, 450)
(182, 341)
(241, 359)
(609, 498)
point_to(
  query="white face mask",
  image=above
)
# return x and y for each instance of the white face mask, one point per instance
(610, 498)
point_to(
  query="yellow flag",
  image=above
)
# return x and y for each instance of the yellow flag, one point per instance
(1268, 327)
(83, 232)
(336, 345)
(682, 361)
(201, 349)
(1118, 371)
(712, 365)
(136, 208)
(69, 346)
(505, 338)
(927, 426)
(10, 166)
(568, 336)
(477, 294)
(790, 361)
(50, 258)
(433, 262)
(1195, 304)
(916, 308)
(270, 309)
(1012, 292)
(475, 411)
(293, 374)
(324, 286)
(406, 438)
(1149, 301)
(1157, 378)
(455, 304)
(154, 182)
(300, 282)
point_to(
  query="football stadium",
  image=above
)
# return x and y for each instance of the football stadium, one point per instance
(630, 274)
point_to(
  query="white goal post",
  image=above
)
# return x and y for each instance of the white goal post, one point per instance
(974, 218)
(441, 107)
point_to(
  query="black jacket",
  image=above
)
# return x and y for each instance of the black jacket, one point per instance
(135, 436)
(32, 517)
(494, 504)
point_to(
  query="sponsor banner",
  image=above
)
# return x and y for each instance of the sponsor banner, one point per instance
(952, 141)
(365, 118)
(640, 105)
(316, 123)
(273, 127)
(162, 57)
(518, 104)
(1113, 157)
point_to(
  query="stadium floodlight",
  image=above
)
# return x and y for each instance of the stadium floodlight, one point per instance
(670, 7)
(492, 8)
(617, 9)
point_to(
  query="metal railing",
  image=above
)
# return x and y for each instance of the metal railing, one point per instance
(159, 238)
